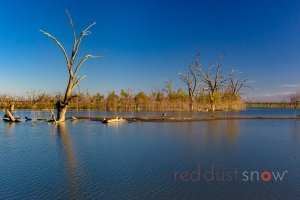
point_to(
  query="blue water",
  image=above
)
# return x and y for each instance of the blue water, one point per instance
(147, 160)
(246, 112)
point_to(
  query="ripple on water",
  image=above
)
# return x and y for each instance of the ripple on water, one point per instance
(138, 160)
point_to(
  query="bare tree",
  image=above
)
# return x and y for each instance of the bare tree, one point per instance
(34, 97)
(213, 80)
(235, 84)
(168, 88)
(62, 105)
(190, 79)
(157, 94)
(295, 100)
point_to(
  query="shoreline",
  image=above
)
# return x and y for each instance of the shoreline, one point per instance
(186, 119)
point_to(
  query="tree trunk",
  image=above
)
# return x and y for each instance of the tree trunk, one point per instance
(61, 113)
(213, 106)
(212, 102)
(62, 107)
(191, 104)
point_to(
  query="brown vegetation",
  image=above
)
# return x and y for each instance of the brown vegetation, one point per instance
(126, 100)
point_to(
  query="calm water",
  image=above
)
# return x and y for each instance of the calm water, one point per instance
(90, 160)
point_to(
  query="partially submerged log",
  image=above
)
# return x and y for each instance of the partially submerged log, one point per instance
(9, 116)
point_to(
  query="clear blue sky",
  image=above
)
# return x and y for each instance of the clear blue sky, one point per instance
(144, 42)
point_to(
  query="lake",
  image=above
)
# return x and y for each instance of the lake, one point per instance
(246, 159)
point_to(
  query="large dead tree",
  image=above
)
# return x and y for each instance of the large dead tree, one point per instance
(213, 80)
(62, 105)
(190, 79)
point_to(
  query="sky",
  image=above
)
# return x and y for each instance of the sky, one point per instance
(141, 43)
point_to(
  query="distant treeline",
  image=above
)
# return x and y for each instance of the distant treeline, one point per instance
(271, 104)
(126, 100)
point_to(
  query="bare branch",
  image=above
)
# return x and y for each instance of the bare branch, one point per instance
(77, 80)
(235, 84)
(168, 87)
(72, 26)
(60, 45)
(85, 32)
(82, 61)
(53, 116)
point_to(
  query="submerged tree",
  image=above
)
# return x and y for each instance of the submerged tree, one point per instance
(190, 79)
(62, 105)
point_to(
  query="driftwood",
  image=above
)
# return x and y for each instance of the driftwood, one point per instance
(53, 117)
(9, 116)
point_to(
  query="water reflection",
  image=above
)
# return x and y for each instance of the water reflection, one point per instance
(247, 112)
(232, 131)
(9, 127)
(197, 136)
(296, 130)
(70, 159)
(219, 132)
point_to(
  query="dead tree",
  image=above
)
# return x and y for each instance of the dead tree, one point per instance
(295, 100)
(213, 80)
(168, 88)
(62, 105)
(190, 79)
(34, 97)
(235, 84)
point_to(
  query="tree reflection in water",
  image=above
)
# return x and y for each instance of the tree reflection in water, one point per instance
(9, 128)
(72, 170)
(227, 131)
